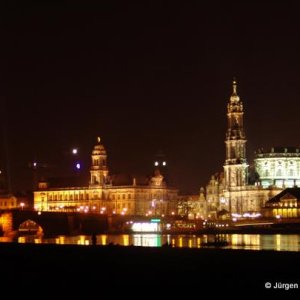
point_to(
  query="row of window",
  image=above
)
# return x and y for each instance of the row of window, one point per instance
(7, 203)
(71, 197)
(60, 197)
(280, 172)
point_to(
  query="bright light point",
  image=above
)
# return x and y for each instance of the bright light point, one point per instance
(156, 163)
(145, 227)
(75, 151)
(78, 166)
(34, 164)
(164, 163)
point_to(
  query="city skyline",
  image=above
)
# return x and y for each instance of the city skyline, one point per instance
(145, 79)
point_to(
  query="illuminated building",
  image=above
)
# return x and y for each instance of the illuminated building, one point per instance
(278, 167)
(192, 206)
(104, 196)
(8, 202)
(284, 205)
(235, 167)
(230, 192)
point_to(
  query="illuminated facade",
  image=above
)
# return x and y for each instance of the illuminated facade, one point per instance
(278, 167)
(103, 196)
(235, 167)
(230, 192)
(284, 205)
(8, 202)
(192, 206)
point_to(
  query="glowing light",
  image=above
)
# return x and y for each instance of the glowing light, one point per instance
(126, 240)
(74, 151)
(164, 163)
(78, 166)
(156, 163)
(155, 220)
(22, 204)
(180, 243)
(222, 200)
(145, 227)
(103, 240)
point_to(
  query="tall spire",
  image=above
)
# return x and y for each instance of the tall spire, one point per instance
(235, 164)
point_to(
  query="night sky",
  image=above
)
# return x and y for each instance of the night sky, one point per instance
(146, 78)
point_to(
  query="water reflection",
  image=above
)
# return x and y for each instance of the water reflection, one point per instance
(278, 242)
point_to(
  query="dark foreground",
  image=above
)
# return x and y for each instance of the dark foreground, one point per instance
(137, 273)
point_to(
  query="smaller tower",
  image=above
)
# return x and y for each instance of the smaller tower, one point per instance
(99, 170)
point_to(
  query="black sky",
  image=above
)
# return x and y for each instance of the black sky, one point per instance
(145, 77)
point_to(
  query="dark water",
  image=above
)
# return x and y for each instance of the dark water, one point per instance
(278, 242)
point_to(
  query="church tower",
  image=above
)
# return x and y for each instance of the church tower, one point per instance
(235, 167)
(99, 170)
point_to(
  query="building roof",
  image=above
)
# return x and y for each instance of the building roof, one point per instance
(281, 150)
(292, 191)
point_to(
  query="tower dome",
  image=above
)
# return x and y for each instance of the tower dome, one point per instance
(99, 170)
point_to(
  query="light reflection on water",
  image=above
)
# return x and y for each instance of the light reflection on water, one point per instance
(278, 242)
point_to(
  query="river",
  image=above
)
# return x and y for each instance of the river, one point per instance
(277, 242)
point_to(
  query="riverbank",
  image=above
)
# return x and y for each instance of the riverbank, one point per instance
(100, 269)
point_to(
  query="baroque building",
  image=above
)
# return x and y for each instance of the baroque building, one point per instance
(103, 195)
(230, 191)
(284, 205)
(279, 166)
